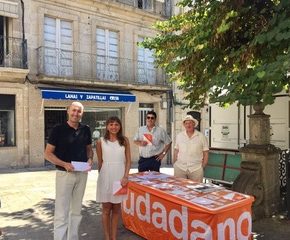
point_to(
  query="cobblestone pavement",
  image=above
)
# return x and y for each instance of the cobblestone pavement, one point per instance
(26, 213)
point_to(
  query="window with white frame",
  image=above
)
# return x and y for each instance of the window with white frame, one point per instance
(107, 56)
(146, 72)
(58, 47)
(144, 108)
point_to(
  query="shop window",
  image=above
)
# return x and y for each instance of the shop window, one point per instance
(7, 120)
(95, 118)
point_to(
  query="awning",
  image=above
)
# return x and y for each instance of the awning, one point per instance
(81, 95)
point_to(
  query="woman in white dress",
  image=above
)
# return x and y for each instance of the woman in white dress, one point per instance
(114, 162)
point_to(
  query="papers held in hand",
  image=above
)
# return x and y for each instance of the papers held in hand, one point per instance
(118, 189)
(81, 166)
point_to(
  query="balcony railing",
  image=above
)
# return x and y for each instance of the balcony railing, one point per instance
(155, 6)
(54, 62)
(13, 52)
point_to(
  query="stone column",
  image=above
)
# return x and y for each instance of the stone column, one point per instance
(260, 163)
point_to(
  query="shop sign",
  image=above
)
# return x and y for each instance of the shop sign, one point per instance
(88, 96)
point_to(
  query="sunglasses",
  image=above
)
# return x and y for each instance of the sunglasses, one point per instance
(150, 118)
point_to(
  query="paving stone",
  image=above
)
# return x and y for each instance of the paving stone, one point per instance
(27, 205)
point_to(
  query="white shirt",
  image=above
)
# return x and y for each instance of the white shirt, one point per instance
(190, 150)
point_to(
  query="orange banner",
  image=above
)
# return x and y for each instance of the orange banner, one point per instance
(164, 207)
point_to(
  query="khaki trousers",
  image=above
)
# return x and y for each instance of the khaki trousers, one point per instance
(196, 176)
(70, 189)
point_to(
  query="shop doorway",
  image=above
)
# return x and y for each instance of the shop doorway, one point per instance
(52, 117)
(95, 118)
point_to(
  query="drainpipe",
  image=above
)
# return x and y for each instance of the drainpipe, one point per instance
(169, 122)
(26, 157)
(24, 42)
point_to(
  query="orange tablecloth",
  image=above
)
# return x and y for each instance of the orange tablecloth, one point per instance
(160, 207)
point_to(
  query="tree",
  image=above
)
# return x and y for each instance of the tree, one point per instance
(226, 50)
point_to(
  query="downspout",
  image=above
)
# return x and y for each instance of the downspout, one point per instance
(239, 126)
(170, 121)
(26, 98)
(245, 126)
(24, 42)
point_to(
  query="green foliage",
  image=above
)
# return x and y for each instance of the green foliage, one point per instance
(226, 51)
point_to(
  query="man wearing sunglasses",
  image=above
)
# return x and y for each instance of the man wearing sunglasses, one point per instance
(153, 142)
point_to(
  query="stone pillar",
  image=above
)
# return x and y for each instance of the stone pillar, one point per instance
(259, 123)
(260, 161)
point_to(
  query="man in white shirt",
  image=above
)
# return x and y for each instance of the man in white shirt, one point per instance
(190, 151)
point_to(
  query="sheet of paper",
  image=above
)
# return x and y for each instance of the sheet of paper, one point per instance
(202, 201)
(152, 175)
(204, 188)
(118, 189)
(81, 166)
(178, 192)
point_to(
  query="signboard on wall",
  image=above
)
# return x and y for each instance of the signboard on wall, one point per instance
(229, 127)
(81, 95)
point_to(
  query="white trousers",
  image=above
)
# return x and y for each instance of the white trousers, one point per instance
(70, 189)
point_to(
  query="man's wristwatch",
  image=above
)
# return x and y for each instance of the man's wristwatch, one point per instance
(164, 153)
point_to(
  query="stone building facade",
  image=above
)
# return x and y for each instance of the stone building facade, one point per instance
(13, 86)
(79, 50)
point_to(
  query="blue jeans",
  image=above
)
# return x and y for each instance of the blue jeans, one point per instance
(149, 164)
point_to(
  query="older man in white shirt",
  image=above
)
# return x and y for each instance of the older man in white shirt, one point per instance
(190, 151)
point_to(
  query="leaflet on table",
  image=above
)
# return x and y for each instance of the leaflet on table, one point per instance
(207, 195)
(152, 175)
(163, 186)
(81, 166)
(202, 201)
(232, 196)
(205, 188)
(178, 192)
(118, 189)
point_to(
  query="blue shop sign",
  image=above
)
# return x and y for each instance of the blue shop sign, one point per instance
(80, 95)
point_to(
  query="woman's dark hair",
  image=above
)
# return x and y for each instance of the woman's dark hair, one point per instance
(120, 137)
